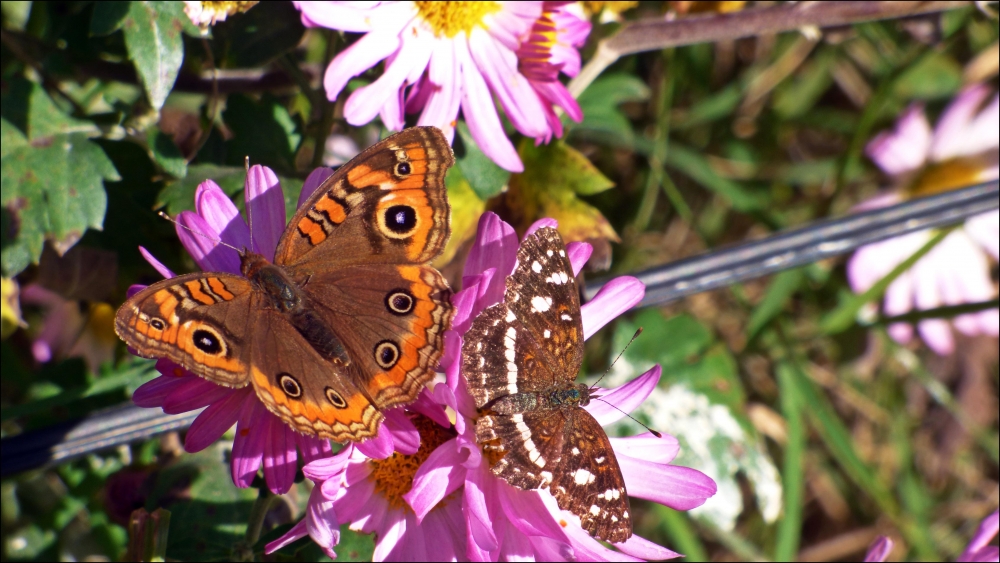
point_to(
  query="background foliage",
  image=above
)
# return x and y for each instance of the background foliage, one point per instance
(819, 438)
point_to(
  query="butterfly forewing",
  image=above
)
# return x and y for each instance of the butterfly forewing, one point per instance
(542, 295)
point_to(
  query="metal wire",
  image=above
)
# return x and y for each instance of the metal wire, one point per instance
(824, 239)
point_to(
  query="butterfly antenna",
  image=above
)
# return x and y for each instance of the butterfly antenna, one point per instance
(651, 431)
(203, 235)
(246, 167)
(634, 336)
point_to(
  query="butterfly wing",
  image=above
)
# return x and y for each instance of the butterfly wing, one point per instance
(391, 320)
(589, 482)
(543, 296)
(310, 393)
(198, 320)
(387, 205)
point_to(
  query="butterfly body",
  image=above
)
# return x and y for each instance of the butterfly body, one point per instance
(349, 318)
(520, 359)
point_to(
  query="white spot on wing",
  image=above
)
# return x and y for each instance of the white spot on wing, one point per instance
(575, 451)
(540, 304)
(547, 333)
(595, 510)
(583, 477)
(536, 267)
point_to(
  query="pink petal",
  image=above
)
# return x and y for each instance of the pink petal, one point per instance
(215, 207)
(613, 299)
(248, 446)
(280, 459)
(379, 447)
(495, 246)
(197, 393)
(129, 293)
(312, 183)
(879, 550)
(952, 134)
(557, 94)
(439, 476)
(648, 447)
(313, 449)
(481, 504)
(979, 549)
(152, 393)
(390, 536)
(481, 115)
(579, 253)
(443, 92)
(626, 398)
(985, 230)
(427, 404)
(906, 147)
(499, 67)
(366, 102)
(298, 531)
(359, 57)
(265, 209)
(156, 264)
(404, 435)
(644, 549)
(213, 422)
(321, 521)
(528, 513)
(203, 246)
(543, 223)
(330, 468)
(680, 488)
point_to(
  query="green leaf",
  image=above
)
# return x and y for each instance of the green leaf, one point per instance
(554, 177)
(263, 131)
(486, 178)
(179, 196)
(842, 318)
(153, 36)
(793, 477)
(778, 294)
(10, 138)
(28, 108)
(602, 121)
(165, 153)
(935, 76)
(52, 192)
(208, 513)
(108, 17)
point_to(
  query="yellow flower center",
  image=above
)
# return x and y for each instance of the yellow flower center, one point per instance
(393, 477)
(102, 323)
(948, 175)
(448, 19)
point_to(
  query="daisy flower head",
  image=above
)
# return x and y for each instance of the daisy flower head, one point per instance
(452, 488)
(964, 148)
(442, 57)
(210, 234)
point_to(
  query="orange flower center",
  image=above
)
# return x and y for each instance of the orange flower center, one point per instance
(448, 19)
(948, 175)
(393, 477)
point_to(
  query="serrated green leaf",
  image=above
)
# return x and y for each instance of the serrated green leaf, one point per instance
(10, 138)
(486, 178)
(554, 177)
(27, 107)
(52, 192)
(108, 17)
(165, 153)
(153, 36)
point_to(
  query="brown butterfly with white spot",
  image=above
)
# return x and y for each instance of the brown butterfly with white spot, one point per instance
(349, 319)
(520, 359)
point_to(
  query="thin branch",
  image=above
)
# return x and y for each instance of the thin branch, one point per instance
(655, 34)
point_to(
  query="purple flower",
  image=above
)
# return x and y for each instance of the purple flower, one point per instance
(961, 150)
(444, 56)
(452, 488)
(68, 332)
(261, 437)
(979, 549)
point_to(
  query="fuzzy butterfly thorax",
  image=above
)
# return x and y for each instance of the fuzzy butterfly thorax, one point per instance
(348, 320)
(556, 397)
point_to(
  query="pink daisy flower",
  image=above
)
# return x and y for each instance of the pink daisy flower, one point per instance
(962, 149)
(979, 549)
(494, 520)
(261, 437)
(444, 56)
